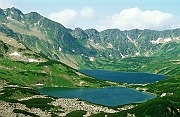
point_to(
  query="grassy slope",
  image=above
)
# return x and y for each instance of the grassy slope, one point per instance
(157, 65)
(51, 73)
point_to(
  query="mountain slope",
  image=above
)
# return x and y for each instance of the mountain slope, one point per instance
(22, 66)
(44, 35)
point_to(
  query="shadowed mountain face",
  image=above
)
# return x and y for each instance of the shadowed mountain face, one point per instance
(84, 49)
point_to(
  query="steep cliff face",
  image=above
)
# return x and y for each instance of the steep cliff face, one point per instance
(77, 47)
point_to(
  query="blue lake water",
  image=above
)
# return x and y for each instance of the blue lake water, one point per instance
(124, 77)
(111, 96)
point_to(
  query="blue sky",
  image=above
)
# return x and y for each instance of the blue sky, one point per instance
(104, 14)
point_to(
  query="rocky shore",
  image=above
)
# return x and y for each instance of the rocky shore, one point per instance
(67, 106)
(61, 106)
(70, 105)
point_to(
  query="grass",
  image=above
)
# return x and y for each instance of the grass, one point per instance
(51, 73)
(156, 107)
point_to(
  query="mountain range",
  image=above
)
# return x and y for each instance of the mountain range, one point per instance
(87, 49)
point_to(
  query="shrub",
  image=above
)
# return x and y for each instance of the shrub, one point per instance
(41, 103)
(24, 112)
(77, 113)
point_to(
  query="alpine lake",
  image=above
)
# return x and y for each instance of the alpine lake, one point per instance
(110, 96)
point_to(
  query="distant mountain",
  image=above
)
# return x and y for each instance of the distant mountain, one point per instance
(88, 49)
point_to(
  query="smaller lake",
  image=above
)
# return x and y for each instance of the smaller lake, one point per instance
(111, 96)
(124, 77)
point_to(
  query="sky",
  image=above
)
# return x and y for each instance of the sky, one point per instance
(104, 14)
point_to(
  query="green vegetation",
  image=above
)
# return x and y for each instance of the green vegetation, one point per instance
(41, 103)
(77, 113)
(169, 86)
(17, 92)
(25, 112)
(157, 65)
(11, 94)
(49, 74)
(156, 108)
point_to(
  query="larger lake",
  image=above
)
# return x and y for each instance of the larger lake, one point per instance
(111, 96)
(124, 77)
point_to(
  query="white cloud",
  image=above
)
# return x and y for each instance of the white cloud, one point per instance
(71, 18)
(5, 4)
(66, 17)
(135, 18)
(125, 20)
(87, 13)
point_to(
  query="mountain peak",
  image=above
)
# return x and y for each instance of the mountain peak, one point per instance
(13, 10)
(33, 13)
(13, 13)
